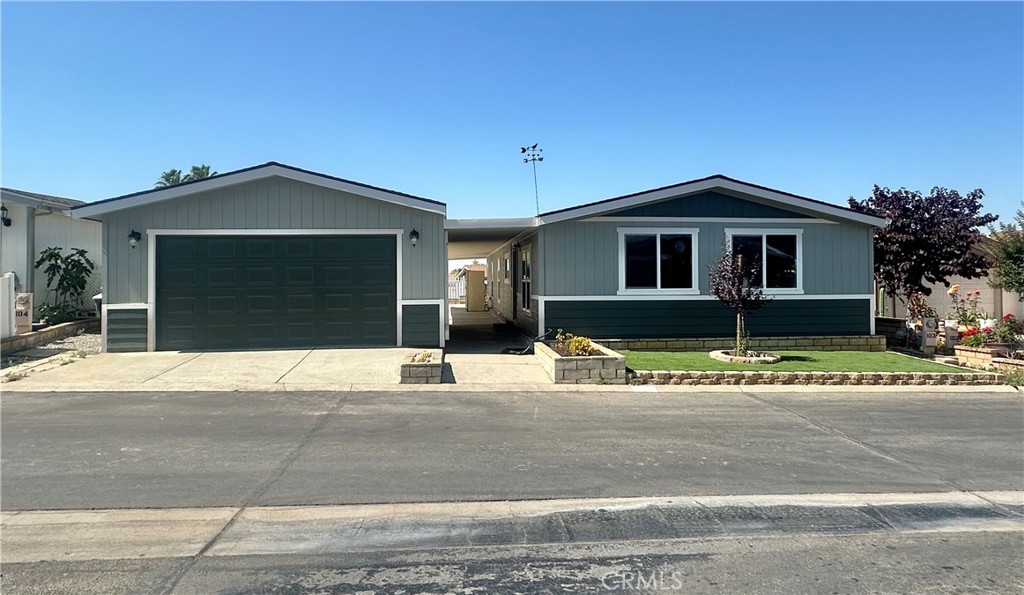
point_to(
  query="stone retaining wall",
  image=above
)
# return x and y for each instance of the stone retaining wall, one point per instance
(428, 372)
(889, 327)
(1005, 363)
(976, 357)
(823, 378)
(823, 343)
(608, 368)
(47, 335)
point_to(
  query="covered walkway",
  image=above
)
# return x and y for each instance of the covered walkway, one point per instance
(474, 351)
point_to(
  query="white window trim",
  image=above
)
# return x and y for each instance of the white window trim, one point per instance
(774, 231)
(658, 231)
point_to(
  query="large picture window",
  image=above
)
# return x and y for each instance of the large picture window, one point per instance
(657, 260)
(779, 251)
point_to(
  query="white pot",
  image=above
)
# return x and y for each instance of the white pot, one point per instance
(987, 323)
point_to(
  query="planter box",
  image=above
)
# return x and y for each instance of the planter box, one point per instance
(48, 334)
(1007, 364)
(428, 372)
(977, 357)
(607, 368)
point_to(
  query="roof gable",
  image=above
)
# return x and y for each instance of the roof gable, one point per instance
(259, 172)
(719, 184)
(709, 204)
(35, 199)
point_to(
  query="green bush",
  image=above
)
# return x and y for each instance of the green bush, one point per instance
(570, 344)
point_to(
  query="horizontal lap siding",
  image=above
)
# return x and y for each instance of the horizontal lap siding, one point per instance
(421, 326)
(126, 330)
(276, 203)
(707, 318)
(582, 258)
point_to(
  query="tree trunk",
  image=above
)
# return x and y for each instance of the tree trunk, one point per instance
(739, 333)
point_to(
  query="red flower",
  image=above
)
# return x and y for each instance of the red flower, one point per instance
(970, 332)
(1009, 317)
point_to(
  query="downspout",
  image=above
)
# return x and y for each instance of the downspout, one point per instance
(32, 251)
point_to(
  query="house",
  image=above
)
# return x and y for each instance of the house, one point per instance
(271, 256)
(33, 222)
(277, 256)
(636, 266)
(995, 302)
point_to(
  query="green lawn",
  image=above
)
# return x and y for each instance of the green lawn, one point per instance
(792, 361)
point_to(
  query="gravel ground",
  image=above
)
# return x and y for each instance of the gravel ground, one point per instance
(89, 342)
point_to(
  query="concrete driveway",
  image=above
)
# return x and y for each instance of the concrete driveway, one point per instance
(298, 369)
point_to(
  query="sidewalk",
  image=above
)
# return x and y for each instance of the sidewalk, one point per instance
(35, 536)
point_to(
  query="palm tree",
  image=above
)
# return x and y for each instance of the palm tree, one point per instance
(173, 177)
(170, 177)
(198, 173)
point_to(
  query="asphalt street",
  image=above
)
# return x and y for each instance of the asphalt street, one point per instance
(975, 562)
(160, 450)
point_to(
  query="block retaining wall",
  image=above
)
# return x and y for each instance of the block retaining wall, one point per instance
(977, 357)
(821, 378)
(428, 372)
(608, 368)
(47, 335)
(823, 343)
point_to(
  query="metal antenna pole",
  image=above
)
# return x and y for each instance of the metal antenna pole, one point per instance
(533, 155)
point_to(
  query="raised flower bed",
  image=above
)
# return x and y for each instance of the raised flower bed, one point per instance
(422, 368)
(605, 367)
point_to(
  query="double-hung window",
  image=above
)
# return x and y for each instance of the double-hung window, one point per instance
(657, 260)
(779, 253)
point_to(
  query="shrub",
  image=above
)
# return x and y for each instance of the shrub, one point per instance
(974, 337)
(67, 276)
(570, 344)
(1007, 329)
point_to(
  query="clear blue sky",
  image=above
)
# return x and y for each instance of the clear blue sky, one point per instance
(823, 100)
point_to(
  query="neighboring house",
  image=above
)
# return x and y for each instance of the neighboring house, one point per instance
(276, 256)
(637, 266)
(271, 256)
(995, 302)
(40, 221)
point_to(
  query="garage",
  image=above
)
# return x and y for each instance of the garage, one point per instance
(252, 292)
(271, 257)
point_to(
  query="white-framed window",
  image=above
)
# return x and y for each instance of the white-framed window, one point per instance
(658, 260)
(507, 266)
(525, 284)
(780, 252)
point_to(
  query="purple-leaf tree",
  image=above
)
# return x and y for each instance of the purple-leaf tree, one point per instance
(736, 284)
(928, 238)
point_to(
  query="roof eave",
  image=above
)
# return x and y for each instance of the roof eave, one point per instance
(249, 175)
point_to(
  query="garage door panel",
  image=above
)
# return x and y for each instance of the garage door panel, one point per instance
(276, 292)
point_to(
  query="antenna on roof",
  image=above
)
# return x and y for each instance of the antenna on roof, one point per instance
(533, 155)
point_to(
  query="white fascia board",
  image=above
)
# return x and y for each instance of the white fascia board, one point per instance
(251, 176)
(712, 184)
(490, 223)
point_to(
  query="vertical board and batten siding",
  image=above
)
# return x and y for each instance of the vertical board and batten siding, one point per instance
(582, 257)
(276, 203)
(64, 231)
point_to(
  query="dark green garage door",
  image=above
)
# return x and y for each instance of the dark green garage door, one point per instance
(241, 292)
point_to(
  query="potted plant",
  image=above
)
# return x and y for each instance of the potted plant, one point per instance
(1004, 334)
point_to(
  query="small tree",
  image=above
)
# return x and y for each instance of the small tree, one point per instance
(67, 276)
(733, 282)
(928, 238)
(1008, 255)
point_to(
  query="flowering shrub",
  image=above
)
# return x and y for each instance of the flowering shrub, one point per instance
(974, 337)
(1007, 330)
(965, 306)
(569, 344)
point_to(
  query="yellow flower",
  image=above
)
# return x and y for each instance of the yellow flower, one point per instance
(952, 290)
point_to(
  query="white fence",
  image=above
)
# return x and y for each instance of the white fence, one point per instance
(457, 289)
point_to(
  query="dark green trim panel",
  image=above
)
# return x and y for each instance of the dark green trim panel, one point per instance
(629, 319)
(707, 204)
(421, 326)
(127, 330)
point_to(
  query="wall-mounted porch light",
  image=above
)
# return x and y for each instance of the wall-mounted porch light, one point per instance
(414, 237)
(133, 238)
(3, 216)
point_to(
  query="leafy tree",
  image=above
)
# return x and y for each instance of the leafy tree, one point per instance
(735, 284)
(173, 177)
(927, 239)
(1008, 255)
(67, 276)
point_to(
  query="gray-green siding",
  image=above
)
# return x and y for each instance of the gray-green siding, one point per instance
(275, 203)
(582, 257)
(504, 286)
(126, 330)
(707, 318)
(707, 204)
(421, 325)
